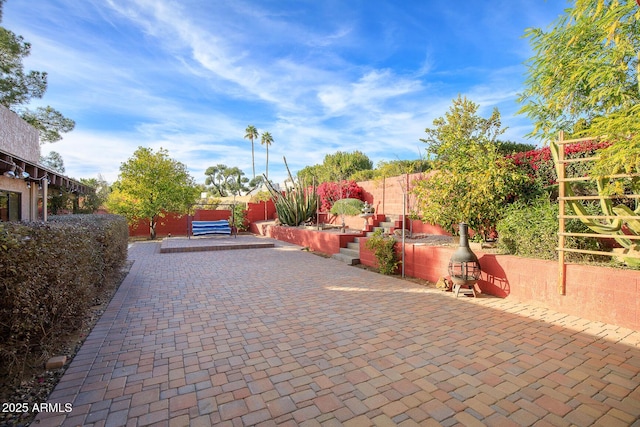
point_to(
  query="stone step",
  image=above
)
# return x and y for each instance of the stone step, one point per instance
(348, 259)
(384, 230)
(354, 245)
(355, 253)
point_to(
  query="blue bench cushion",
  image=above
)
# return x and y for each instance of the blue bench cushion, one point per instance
(210, 227)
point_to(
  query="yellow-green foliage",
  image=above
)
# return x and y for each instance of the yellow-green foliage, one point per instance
(585, 72)
(384, 249)
(51, 274)
(347, 206)
(472, 180)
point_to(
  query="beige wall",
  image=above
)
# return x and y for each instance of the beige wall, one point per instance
(28, 198)
(17, 137)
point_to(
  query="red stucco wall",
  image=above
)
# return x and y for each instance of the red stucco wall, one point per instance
(177, 225)
(386, 196)
(325, 242)
(603, 294)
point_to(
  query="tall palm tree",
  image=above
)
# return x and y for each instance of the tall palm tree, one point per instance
(267, 140)
(252, 133)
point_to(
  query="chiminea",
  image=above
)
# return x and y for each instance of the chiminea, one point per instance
(464, 268)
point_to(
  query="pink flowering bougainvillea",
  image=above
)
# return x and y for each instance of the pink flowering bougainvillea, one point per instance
(329, 192)
(538, 164)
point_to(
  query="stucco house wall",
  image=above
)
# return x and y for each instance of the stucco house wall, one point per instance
(18, 137)
(21, 143)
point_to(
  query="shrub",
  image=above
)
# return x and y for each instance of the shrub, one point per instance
(530, 229)
(384, 250)
(239, 217)
(539, 167)
(330, 192)
(344, 207)
(52, 272)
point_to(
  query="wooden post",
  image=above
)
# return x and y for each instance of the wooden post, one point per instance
(561, 212)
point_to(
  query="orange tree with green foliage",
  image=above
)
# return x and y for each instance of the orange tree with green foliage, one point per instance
(472, 180)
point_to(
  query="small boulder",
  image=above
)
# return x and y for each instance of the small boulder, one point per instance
(55, 363)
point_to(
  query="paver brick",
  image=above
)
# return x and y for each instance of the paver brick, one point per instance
(281, 336)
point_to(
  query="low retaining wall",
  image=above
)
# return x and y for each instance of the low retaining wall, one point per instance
(178, 225)
(602, 294)
(319, 241)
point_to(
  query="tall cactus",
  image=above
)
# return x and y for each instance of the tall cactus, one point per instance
(296, 204)
(628, 219)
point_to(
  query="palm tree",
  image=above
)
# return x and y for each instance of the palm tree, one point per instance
(267, 140)
(252, 133)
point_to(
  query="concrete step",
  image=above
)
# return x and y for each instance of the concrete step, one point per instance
(348, 259)
(355, 253)
(384, 230)
(354, 245)
(387, 224)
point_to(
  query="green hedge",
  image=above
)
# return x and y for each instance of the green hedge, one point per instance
(531, 230)
(51, 274)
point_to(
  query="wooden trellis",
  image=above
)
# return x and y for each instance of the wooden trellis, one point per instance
(563, 198)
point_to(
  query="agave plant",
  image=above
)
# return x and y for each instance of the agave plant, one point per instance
(297, 203)
(617, 216)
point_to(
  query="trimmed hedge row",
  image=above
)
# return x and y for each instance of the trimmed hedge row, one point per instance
(51, 274)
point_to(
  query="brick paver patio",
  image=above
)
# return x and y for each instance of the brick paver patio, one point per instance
(284, 337)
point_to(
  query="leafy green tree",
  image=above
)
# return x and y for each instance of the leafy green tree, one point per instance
(18, 87)
(151, 184)
(472, 180)
(337, 167)
(54, 161)
(251, 133)
(97, 198)
(342, 165)
(50, 123)
(511, 147)
(387, 169)
(585, 72)
(215, 178)
(266, 140)
(235, 181)
(232, 181)
(311, 174)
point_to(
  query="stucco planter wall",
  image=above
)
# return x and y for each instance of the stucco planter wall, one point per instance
(319, 241)
(603, 294)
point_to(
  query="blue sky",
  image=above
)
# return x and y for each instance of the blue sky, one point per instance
(320, 76)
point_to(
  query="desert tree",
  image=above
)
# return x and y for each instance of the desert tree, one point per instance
(150, 185)
(585, 74)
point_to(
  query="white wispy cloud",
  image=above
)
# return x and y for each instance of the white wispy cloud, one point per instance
(320, 77)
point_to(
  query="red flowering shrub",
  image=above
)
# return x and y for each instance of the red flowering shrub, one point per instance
(538, 164)
(329, 192)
